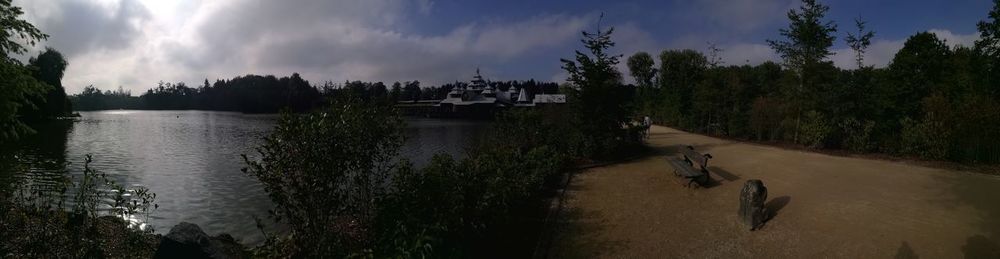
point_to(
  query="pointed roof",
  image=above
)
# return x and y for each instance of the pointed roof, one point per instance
(523, 96)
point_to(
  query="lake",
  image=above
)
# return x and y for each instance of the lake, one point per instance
(191, 159)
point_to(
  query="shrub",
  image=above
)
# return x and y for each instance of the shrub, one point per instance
(327, 173)
(857, 134)
(814, 130)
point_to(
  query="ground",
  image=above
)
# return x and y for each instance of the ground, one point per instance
(824, 206)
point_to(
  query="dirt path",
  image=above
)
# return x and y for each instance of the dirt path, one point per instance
(826, 206)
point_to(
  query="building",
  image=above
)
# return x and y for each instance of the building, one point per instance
(479, 100)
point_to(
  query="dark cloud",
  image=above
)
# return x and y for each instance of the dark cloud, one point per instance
(84, 27)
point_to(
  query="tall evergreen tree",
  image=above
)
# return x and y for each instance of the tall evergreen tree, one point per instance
(807, 43)
(602, 103)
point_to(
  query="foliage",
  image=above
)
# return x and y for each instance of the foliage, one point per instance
(989, 36)
(679, 72)
(250, 94)
(13, 29)
(857, 134)
(48, 68)
(815, 129)
(43, 220)
(334, 179)
(326, 172)
(916, 69)
(451, 207)
(808, 38)
(859, 42)
(17, 87)
(600, 100)
(640, 65)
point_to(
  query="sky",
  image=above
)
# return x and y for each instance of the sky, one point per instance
(137, 43)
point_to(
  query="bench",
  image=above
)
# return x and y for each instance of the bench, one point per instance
(693, 166)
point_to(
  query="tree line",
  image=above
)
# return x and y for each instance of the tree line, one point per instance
(931, 101)
(269, 94)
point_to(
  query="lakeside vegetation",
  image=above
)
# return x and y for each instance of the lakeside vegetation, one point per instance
(932, 101)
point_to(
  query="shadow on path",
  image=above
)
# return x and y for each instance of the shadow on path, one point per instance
(980, 246)
(776, 205)
(725, 174)
(906, 252)
(580, 234)
(980, 192)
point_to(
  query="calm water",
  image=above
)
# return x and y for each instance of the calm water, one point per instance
(191, 159)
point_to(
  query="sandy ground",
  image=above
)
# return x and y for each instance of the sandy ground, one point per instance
(825, 207)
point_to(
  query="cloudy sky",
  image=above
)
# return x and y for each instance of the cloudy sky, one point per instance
(136, 43)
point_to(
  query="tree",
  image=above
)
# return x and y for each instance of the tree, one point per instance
(916, 69)
(680, 71)
(16, 83)
(808, 38)
(640, 65)
(13, 29)
(602, 102)
(859, 42)
(808, 41)
(411, 92)
(714, 55)
(396, 93)
(48, 68)
(989, 46)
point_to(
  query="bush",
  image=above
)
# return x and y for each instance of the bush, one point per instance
(858, 134)
(327, 174)
(814, 130)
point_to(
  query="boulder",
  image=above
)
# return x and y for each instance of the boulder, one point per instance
(752, 197)
(187, 240)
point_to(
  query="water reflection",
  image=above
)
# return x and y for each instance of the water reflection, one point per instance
(38, 160)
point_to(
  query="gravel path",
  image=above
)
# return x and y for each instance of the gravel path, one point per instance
(825, 207)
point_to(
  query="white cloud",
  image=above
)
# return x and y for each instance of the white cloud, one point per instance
(881, 52)
(955, 40)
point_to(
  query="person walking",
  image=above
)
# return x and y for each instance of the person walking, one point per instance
(646, 123)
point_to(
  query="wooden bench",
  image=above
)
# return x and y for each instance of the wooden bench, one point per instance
(693, 166)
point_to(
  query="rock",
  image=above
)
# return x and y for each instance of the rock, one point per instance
(752, 197)
(187, 240)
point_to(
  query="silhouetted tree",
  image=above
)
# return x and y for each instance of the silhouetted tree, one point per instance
(602, 101)
(859, 42)
(17, 85)
(989, 46)
(48, 68)
(640, 65)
